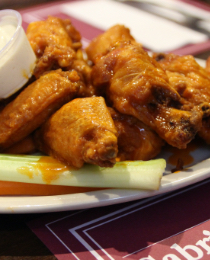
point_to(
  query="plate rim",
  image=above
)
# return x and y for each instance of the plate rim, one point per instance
(86, 200)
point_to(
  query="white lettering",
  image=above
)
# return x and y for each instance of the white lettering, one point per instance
(171, 257)
(183, 251)
(203, 242)
(147, 258)
(190, 252)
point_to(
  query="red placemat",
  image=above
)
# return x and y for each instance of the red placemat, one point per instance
(165, 225)
(156, 31)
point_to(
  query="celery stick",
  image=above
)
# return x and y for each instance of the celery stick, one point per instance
(131, 175)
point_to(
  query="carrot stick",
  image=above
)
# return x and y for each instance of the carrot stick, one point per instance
(20, 188)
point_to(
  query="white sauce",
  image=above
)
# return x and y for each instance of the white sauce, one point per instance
(6, 32)
(17, 59)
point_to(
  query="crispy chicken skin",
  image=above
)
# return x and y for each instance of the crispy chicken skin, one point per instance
(82, 131)
(84, 71)
(54, 57)
(35, 104)
(103, 43)
(136, 141)
(57, 44)
(137, 85)
(54, 42)
(52, 31)
(191, 81)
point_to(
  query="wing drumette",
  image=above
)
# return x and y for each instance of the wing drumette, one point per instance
(54, 42)
(35, 104)
(81, 131)
(103, 43)
(192, 82)
(57, 44)
(136, 85)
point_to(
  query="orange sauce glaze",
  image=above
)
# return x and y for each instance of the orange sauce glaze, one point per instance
(50, 169)
(183, 154)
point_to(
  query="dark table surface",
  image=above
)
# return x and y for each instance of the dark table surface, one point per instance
(17, 241)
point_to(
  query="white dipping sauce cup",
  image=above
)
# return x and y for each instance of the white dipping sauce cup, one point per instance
(17, 58)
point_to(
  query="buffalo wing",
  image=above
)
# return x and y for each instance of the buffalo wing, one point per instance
(54, 42)
(35, 104)
(136, 85)
(103, 43)
(192, 82)
(81, 131)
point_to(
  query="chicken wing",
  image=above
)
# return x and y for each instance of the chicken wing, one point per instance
(54, 57)
(54, 42)
(84, 71)
(81, 131)
(191, 81)
(35, 104)
(53, 31)
(103, 43)
(136, 141)
(136, 85)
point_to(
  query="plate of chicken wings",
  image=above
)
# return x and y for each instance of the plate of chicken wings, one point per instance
(112, 101)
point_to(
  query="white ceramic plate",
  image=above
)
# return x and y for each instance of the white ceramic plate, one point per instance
(197, 171)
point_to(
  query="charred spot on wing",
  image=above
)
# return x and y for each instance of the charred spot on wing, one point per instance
(188, 127)
(152, 107)
(205, 107)
(159, 94)
(163, 96)
(191, 132)
(160, 57)
(175, 104)
(172, 124)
